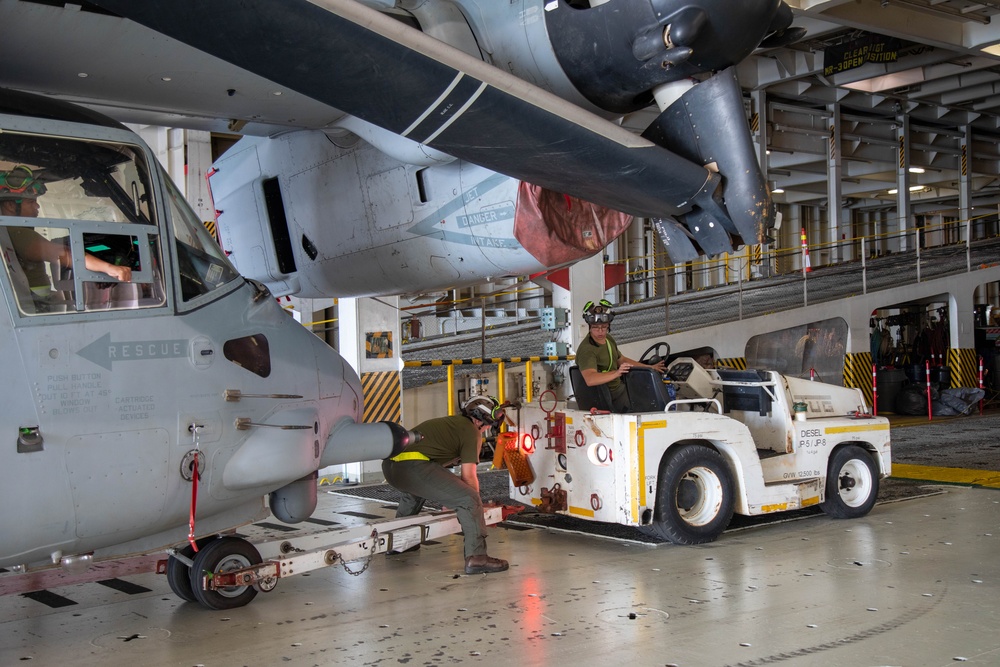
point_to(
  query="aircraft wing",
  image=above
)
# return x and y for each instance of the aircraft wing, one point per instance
(369, 65)
(260, 66)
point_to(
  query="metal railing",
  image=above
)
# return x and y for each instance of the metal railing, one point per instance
(487, 365)
(730, 288)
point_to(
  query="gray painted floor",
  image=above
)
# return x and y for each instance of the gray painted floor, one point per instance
(913, 583)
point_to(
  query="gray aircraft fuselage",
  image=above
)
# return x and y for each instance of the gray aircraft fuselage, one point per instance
(112, 389)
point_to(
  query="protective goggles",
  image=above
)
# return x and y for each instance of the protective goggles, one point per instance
(21, 181)
(599, 313)
(497, 413)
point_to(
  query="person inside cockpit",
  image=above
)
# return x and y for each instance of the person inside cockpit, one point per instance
(19, 193)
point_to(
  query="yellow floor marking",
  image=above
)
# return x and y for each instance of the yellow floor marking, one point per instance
(987, 478)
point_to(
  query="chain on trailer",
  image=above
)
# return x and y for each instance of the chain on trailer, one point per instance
(368, 560)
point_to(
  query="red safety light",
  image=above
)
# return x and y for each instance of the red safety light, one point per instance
(528, 444)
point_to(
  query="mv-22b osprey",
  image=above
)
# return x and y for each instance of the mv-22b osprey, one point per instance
(116, 391)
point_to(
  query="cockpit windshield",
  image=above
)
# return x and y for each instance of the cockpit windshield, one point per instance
(203, 264)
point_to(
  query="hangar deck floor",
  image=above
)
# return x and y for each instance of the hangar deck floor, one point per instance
(916, 582)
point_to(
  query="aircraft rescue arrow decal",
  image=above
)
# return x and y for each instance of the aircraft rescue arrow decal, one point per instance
(103, 352)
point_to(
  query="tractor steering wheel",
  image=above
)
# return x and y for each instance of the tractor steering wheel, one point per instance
(653, 354)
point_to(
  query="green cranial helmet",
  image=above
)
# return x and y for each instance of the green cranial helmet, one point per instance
(20, 183)
(598, 313)
(484, 408)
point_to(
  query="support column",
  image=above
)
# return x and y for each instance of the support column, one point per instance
(586, 281)
(640, 261)
(370, 343)
(834, 189)
(759, 131)
(961, 321)
(964, 181)
(198, 147)
(903, 182)
(962, 357)
(187, 156)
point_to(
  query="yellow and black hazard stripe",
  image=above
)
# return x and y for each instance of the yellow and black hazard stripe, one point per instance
(737, 363)
(382, 393)
(858, 373)
(964, 364)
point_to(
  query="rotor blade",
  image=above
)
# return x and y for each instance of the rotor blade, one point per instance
(675, 240)
(708, 125)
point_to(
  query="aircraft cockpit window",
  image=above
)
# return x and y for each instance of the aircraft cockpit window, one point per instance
(77, 225)
(202, 262)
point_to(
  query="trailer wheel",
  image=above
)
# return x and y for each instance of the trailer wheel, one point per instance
(179, 574)
(694, 496)
(224, 555)
(851, 483)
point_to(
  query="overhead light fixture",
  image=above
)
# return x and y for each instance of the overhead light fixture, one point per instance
(882, 82)
(916, 170)
(913, 188)
(777, 191)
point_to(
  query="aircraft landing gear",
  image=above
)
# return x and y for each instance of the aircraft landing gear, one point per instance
(179, 572)
(222, 555)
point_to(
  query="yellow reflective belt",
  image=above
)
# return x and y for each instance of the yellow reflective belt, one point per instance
(410, 456)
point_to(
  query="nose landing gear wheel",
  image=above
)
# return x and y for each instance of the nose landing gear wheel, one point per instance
(224, 555)
(179, 574)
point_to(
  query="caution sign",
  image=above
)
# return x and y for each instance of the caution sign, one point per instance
(378, 345)
(858, 52)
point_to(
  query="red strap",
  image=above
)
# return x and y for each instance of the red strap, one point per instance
(194, 502)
